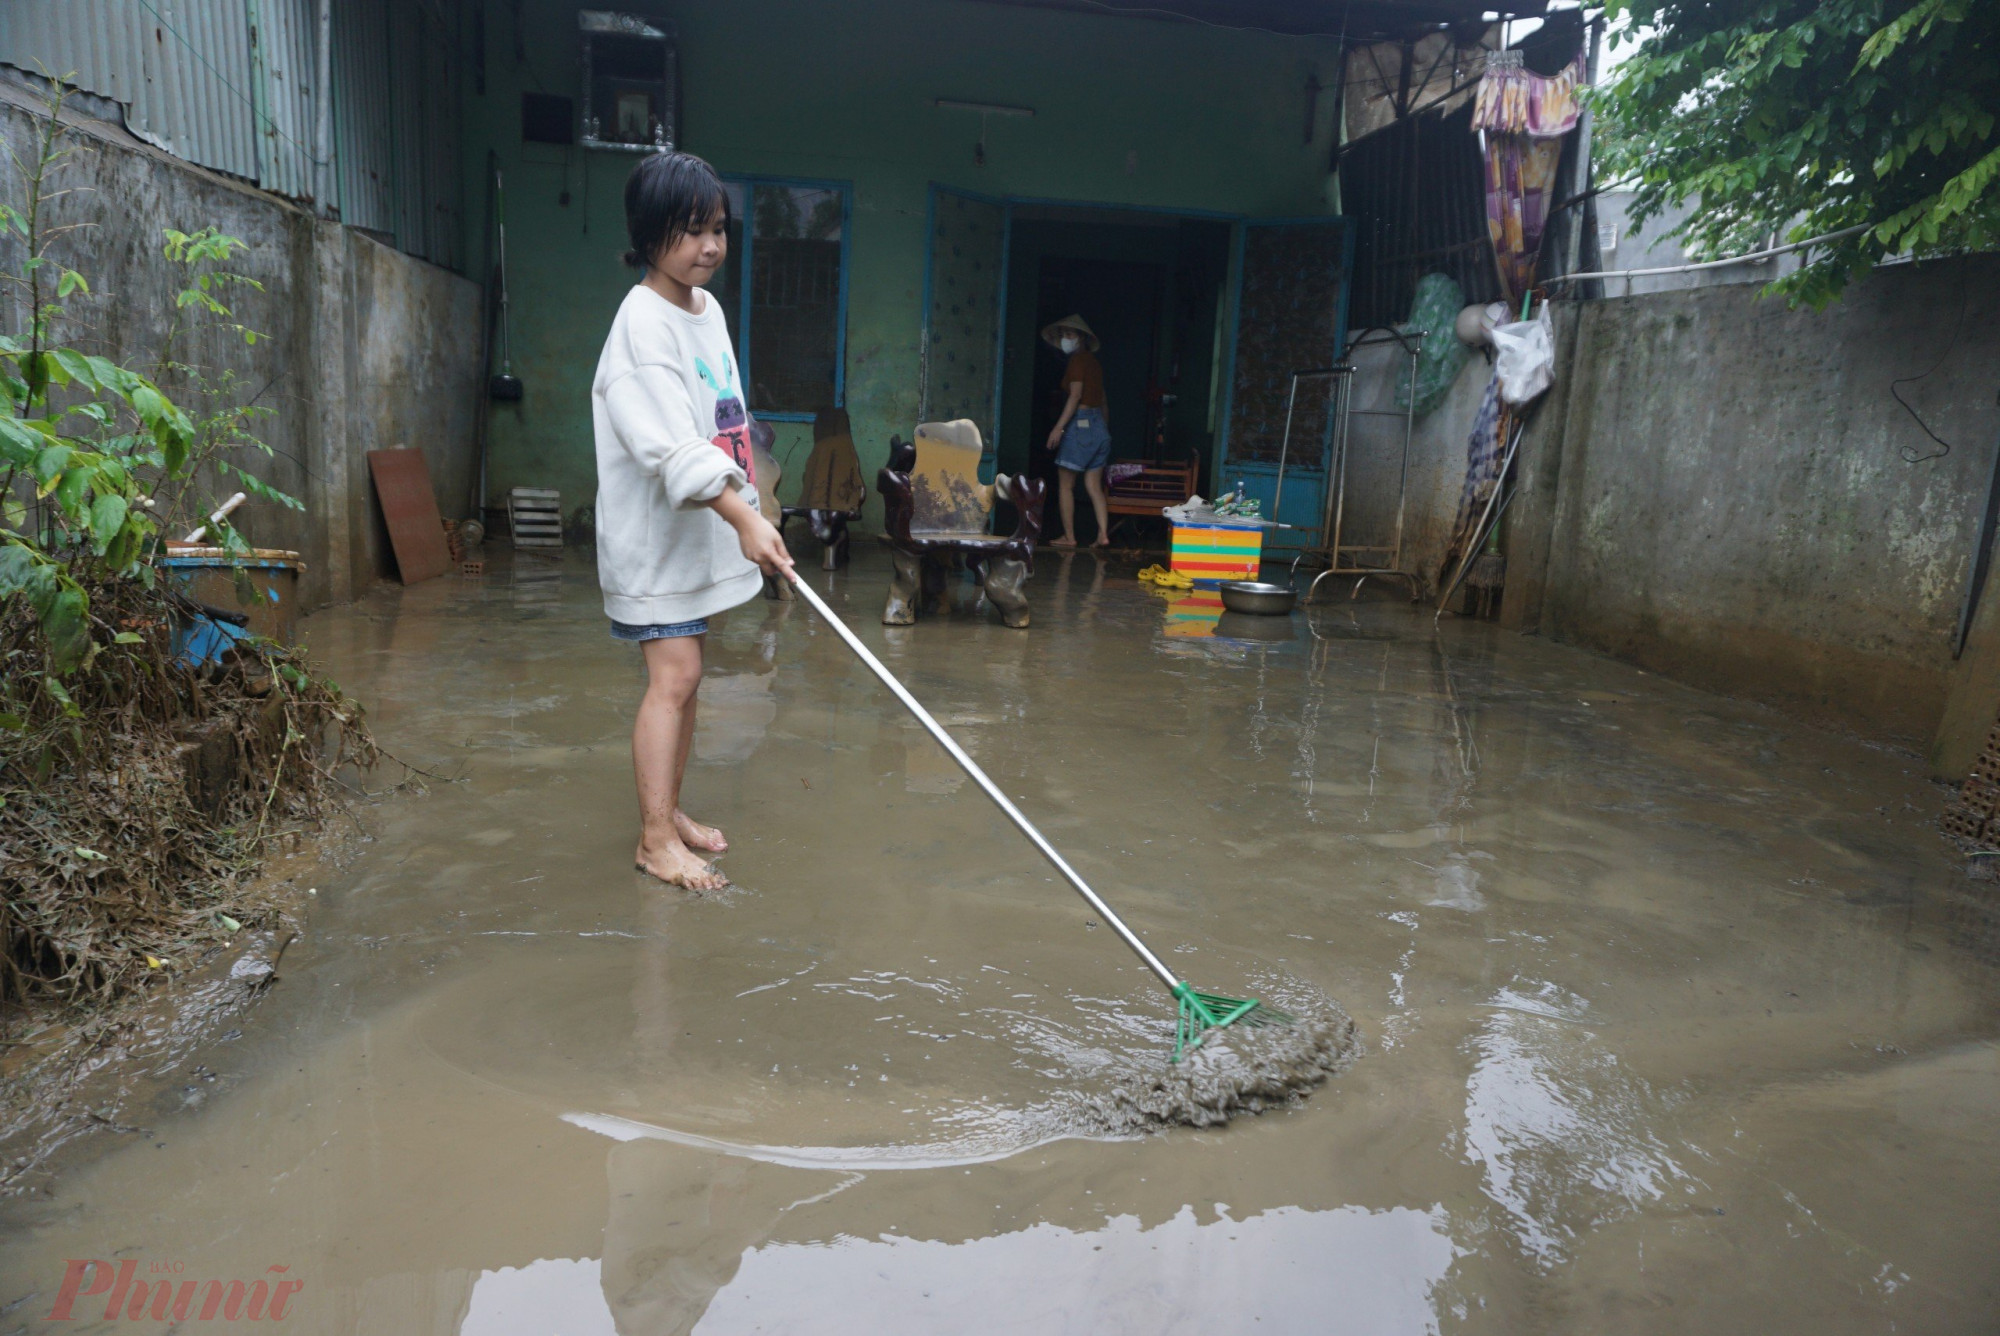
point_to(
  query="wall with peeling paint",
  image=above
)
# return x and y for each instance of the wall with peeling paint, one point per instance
(1729, 492)
(361, 347)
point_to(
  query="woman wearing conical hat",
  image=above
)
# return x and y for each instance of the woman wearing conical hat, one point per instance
(1081, 437)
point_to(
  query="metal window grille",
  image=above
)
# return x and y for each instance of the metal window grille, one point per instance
(1416, 192)
(794, 311)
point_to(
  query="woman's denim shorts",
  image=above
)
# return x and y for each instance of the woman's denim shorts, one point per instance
(668, 631)
(1086, 442)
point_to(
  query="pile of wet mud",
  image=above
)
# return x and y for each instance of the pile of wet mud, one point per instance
(1240, 1069)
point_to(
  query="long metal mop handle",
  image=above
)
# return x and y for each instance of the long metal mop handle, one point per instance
(979, 777)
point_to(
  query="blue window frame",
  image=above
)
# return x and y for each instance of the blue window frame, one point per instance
(785, 288)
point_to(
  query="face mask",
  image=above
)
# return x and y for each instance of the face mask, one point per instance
(1070, 343)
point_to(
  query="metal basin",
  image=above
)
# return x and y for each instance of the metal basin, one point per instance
(1256, 597)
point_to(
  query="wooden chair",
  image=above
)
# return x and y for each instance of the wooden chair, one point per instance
(936, 511)
(1148, 492)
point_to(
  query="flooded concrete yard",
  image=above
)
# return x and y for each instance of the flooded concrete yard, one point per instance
(1677, 1015)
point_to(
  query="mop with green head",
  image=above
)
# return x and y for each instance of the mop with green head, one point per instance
(1201, 1013)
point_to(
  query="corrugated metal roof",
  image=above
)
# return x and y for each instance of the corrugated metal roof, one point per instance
(285, 41)
(361, 113)
(230, 84)
(165, 59)
(407, 124)
(444, 184)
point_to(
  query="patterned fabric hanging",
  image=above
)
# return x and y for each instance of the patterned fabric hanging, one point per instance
(1524, 116)
(1520, 176)
(1514, 100)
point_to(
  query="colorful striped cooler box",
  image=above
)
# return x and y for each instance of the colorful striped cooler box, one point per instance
(1212, 553)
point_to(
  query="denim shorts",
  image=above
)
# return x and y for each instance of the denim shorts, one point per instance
(1086, 442)
(669, 631)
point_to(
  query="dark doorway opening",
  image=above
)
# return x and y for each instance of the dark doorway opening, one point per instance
(1151, 288)
(1126, 296)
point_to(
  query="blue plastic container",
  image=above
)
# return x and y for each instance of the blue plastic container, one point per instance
(208, 575)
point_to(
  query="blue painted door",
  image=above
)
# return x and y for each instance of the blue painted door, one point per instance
(1288, 315)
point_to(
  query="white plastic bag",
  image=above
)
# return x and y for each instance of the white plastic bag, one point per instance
(1526, 358)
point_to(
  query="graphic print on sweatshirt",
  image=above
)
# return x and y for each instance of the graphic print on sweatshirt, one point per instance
(732, 423)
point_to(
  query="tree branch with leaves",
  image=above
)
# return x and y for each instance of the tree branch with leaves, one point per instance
(1806, 117)
(110, 873)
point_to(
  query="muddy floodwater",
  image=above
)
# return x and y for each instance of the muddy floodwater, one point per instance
(1676, 1015)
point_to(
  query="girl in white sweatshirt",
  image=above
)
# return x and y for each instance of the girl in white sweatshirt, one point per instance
(678, 533)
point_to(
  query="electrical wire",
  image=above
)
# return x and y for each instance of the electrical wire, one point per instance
(268, 123)
(1908, 455)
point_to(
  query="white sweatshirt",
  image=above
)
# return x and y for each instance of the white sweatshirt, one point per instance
(672, 432)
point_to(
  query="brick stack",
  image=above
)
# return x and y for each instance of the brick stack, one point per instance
(1975, 816)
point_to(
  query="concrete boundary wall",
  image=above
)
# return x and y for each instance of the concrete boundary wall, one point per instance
(362, 347)
(1724, 489)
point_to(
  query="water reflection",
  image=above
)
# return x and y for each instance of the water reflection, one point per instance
(536, 585)
(1287, 1270)
(550, 1294)
(737, 706)
(1457, 884)
(1349, 1270)
(1563, 1132)
(1085, 570)
(1193, 613)
(1458, 773)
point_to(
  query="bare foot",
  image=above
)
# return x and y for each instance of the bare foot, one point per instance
(697, 836)
(1102, 542)
(677, 865)
(1062, 542)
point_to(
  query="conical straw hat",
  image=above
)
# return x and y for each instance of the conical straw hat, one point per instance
(1053, 333)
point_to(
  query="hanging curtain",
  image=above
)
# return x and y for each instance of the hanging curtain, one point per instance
(1523, 116)
(1520, 177)
(1514, 100)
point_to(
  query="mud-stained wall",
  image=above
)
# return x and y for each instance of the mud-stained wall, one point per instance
(361, 347)
(1128, 112)
(413, 376)
(1727, 490)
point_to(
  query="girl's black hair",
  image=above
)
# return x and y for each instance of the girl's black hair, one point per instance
(667, 196)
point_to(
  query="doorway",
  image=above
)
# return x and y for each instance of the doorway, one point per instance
(1211, 361)
(1150, 286)
(1120, 300)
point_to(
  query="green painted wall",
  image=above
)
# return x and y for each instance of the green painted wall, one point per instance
(1127, 111)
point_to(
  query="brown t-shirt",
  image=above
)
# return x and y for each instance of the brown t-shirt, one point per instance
(1083, 366)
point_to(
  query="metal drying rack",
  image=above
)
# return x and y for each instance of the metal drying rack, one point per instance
(1333, 516)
